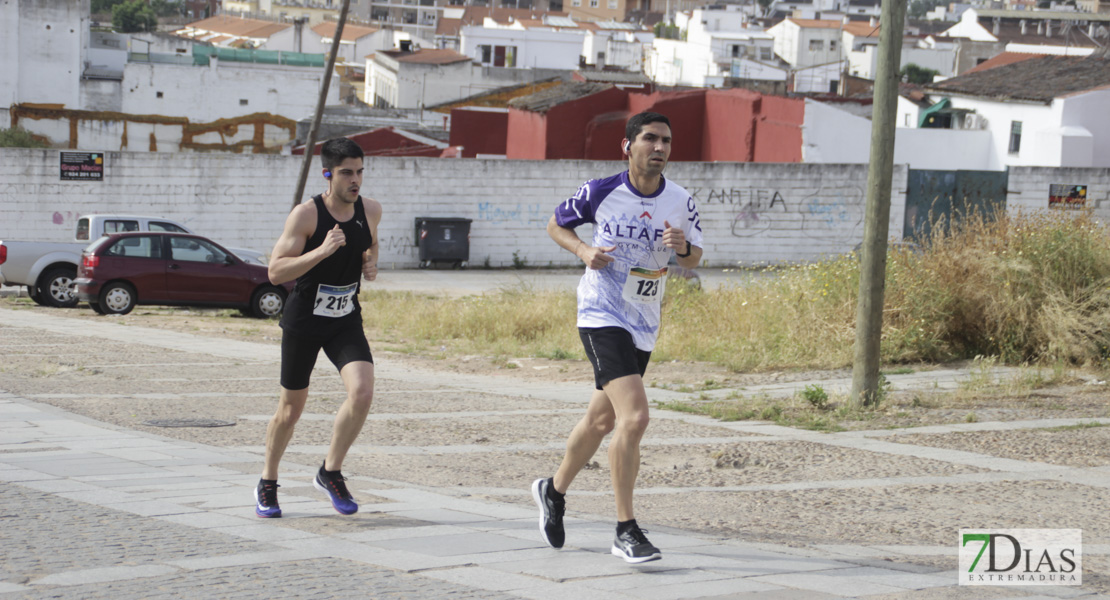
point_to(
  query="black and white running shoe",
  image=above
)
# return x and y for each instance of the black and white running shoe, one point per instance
(551, 513)
(633, 546)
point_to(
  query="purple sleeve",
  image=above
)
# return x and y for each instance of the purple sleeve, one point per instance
(578, 209)
(581, 208)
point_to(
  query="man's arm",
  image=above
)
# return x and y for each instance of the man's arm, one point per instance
(675, 239)
(690, 262)
(373, 210)
(595, 258)
(286, 262)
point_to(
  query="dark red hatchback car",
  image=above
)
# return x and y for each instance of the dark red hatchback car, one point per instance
(123, 270)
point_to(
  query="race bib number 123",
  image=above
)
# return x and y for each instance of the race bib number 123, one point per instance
(644, 286)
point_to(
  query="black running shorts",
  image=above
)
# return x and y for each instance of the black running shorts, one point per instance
(298, 354)
(612, 353)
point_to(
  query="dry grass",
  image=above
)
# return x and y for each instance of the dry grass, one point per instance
(1026, 289)
(513, 322)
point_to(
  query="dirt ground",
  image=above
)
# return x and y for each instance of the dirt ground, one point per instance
(719, 480)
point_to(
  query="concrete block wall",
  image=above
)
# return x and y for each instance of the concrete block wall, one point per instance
(751, 213)
(1028, 188)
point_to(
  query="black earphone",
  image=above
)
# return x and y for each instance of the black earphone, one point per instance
(327, 174)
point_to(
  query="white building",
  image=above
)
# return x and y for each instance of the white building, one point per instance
(414, 79)
(45, 46)
(865, 63)
(521, 45)
(357, 42)
(814, 50)
(615, 44)
(112, 99)
(229, 31)
(1075, 32)
(1047, 111)
(719, 44)
(808, 42)
(555, 42)
(827, 9)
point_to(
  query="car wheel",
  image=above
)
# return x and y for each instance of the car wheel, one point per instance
(56, 287)
(34, 295)
(267, 302)
(96, 308)
(117, 298)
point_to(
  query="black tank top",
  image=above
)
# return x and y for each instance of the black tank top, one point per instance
(324, 300)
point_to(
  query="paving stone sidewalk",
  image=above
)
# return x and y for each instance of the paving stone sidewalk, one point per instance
(90, 510)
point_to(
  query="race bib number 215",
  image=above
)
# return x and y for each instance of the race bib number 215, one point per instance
(334, 301)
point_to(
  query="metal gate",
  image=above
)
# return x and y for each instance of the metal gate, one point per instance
(940, 198)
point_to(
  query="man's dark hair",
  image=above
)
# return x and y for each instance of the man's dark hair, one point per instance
(636, 124)
(338, 150)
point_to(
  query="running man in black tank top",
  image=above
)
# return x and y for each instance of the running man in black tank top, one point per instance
(328, 246)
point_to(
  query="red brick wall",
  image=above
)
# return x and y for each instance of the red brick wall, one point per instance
(778, 132)
(479, 131)
(568, 124)
(527, 137)
(729, 127)
(734, 125)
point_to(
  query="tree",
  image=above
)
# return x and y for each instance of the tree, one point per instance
(912, 73)
(99, 7)
(20, 138)
(132, 16)
(918, 8)
(168, 8)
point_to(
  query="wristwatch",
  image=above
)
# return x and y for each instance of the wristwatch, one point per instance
(687, 251)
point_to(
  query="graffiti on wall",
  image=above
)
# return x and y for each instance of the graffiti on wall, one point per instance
(834, 213)
(396, 245)
(531, 214)
(830, 213)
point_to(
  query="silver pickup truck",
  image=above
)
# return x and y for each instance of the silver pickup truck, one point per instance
(48, 268)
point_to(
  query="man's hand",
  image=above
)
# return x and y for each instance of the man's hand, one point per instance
(333, 241)
(595, 258)
(369, 268)
(674, 238)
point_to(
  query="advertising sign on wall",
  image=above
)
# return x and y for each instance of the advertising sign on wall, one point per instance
(1067, 197)
(82, 166)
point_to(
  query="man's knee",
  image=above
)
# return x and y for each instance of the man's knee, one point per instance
(361, 396)
(635, 422)
(288, 413)
(601, 424)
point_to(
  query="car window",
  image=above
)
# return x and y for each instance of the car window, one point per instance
(120, 226)
(93, 247)
(160, 226)
(193, 250)
(83, 228)
(142, 246)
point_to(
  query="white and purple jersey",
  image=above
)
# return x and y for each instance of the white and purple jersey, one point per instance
(627, 292)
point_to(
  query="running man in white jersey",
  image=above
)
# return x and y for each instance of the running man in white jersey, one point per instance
(639, 220)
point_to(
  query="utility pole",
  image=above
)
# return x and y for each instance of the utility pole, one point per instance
(310, 144)
(872, 277)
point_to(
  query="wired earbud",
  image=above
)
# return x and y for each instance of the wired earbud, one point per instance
(628, 146)
(327, 174)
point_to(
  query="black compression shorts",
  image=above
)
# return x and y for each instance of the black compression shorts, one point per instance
(612, 353)
(298, 354)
